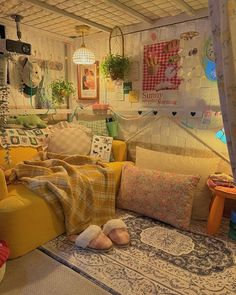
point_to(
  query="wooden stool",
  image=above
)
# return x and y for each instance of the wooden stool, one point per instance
(217, 207)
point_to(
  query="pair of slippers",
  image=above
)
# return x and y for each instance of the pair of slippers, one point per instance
(94, 238)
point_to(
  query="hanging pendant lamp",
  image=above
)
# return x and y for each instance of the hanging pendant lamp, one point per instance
(83, 55)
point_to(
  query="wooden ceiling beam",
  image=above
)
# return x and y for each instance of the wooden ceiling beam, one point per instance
(62, 12)
(130, 11)
(184, 6)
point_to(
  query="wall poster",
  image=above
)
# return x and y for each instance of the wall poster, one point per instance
(160, 69)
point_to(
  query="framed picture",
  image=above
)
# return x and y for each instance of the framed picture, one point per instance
(88, 81)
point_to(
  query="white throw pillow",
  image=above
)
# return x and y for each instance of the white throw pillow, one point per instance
(185, 165)
(69, 141)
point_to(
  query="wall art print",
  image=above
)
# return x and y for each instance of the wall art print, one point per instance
(88, 81)
(160, 68)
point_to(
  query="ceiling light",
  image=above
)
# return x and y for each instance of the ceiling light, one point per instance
(83, 55)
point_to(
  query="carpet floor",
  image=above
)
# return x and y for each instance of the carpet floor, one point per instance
(38, 274)
(161, 260)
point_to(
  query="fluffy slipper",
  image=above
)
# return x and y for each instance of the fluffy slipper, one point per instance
(93, 239)
(116, 230)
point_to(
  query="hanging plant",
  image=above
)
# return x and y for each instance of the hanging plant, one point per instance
(115, 67)
(61, 90)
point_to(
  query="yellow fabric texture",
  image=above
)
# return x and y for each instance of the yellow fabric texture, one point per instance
(17, 154)
(80, 189)
(26, 219)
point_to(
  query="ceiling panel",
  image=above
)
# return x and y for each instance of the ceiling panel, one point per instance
(103, 12)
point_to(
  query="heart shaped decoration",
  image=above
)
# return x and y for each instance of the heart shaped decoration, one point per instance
(193, 114)
(174, 113)
(155, 112)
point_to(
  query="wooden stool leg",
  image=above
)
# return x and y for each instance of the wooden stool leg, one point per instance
(215, 215)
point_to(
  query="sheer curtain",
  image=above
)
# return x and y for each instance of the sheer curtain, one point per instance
(223, 23)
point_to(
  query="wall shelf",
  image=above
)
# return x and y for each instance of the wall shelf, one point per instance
(39, 111)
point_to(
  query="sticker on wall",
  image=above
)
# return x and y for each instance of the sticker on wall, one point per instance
(209, 60)
(189, 35)
(114, 91)
(134, 70)
(206, 118)
(127, 86)
(160, 68)
(133, 96)
(220, 134)
(153, 36)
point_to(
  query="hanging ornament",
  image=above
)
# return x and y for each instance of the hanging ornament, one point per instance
(154, 36)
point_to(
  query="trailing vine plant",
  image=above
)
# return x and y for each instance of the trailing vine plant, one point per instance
(4, 108)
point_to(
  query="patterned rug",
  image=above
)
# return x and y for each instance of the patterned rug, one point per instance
(160, 260)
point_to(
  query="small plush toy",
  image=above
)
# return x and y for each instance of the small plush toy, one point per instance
(28, 121)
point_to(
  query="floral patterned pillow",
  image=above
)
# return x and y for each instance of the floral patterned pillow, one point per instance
(165, 196)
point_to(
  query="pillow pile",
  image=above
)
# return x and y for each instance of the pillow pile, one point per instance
(185, 165)
(165, 196)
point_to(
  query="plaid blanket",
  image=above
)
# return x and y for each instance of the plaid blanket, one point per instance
(80, 189)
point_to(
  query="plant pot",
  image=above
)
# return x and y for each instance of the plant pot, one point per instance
(116, 76)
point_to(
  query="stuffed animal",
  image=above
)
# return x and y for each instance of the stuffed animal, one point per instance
(28, 121)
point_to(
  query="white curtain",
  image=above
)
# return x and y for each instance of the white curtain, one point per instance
(223, 22)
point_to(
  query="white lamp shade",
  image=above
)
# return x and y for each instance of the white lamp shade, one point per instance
(83, 56)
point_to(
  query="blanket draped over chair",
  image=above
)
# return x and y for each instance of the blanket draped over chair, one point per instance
(80, 189)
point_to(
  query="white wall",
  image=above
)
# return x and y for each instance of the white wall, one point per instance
(196, 93)
(44, 47)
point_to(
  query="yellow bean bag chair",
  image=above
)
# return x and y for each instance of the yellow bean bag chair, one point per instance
(26, 219)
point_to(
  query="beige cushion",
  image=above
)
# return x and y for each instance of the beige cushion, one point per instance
(69, 141)
(185, 165)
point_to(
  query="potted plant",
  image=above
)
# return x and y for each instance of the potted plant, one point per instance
(61, 90)
(115, 67)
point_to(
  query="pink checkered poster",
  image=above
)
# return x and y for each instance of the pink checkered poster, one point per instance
(160, 68)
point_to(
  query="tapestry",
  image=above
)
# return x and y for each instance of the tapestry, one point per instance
(160, 260)
(23, 137)
(160, 68)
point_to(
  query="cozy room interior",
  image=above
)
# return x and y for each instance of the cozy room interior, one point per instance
(117, 147)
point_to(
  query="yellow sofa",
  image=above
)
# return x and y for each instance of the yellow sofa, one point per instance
(26, 219)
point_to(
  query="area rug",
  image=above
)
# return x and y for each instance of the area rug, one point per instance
(160, 260)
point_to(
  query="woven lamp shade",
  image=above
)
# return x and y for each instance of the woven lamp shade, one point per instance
(83, 56)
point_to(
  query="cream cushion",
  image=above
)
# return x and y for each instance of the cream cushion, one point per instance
(185, 165)
(69, 141)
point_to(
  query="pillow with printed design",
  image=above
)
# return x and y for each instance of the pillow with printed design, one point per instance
(173, 163)
(167, 197)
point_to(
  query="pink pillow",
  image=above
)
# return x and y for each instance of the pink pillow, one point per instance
(165, 196)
